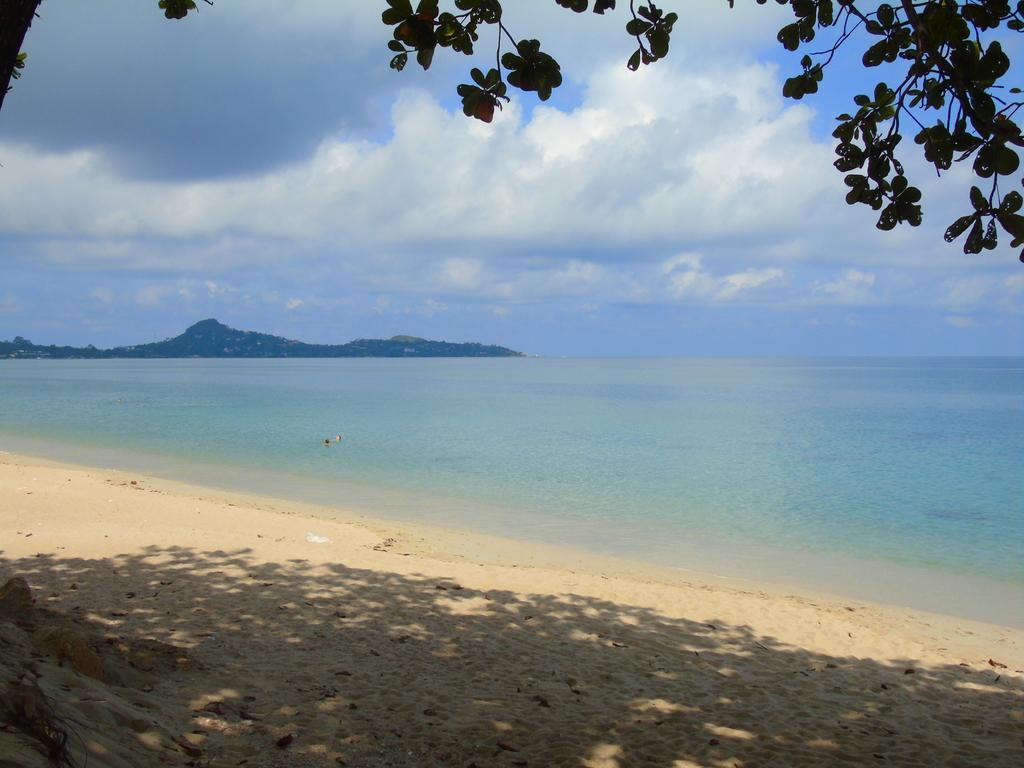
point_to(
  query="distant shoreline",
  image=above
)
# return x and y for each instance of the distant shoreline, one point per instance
(212, 339)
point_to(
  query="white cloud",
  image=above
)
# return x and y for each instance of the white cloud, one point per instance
(853, 286)
(213, 288)
(293, 304)
(742, 282)
(428, 308)
(967, 291)
(985, 292)
(686, 278)
(597, 176)
(692, 261)
(585, 205)
(463, 273)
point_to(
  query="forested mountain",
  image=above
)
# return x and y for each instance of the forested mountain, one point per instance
(210, 338)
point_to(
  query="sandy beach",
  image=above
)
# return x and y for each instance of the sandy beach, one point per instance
(177, 625)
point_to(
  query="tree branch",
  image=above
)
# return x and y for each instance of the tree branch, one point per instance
(15, 19)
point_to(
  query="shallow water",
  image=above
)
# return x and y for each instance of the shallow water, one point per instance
(912, 462)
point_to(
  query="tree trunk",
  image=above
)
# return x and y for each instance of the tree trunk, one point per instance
(15, 19)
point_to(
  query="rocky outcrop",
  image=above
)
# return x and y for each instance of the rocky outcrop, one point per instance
(70, 696)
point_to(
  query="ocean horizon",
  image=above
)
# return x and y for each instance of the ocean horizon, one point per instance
(841, 473)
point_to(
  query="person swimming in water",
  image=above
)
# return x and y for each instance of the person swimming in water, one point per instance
(337, 438)
(327, 441)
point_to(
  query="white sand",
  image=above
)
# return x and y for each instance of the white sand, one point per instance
(222, 625)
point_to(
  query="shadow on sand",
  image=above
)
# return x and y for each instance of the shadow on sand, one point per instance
(370, 668)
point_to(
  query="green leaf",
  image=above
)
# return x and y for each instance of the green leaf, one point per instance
(1011, 202)
(974, 243)
(1005, 160)
(984, 162)
(991, 239)
(658, 38)
(957, 228)
(424, 56)
(636, 27)
(826, 12)
(793, 88)
(176, 9)
(978, 199)
(1014, 224)
(789, 36)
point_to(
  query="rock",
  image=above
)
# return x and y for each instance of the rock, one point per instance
(68, 645)
(16, 600)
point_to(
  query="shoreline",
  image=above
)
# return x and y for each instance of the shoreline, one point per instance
(830, 575)
(229, 625)
(446, 545)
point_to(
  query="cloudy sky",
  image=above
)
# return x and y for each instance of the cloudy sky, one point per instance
(259, 163)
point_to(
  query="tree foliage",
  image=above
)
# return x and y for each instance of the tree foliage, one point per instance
(944, 74)
(942, 83)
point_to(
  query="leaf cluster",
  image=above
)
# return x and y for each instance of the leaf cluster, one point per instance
(519, 63)
(19, 64)
(945, 79)
(179, 9)
(480, 97)
(947, 70)
(652, 29)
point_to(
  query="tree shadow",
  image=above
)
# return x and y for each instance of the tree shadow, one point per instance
(371, 668)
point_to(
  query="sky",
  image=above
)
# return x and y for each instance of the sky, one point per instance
(259, 163)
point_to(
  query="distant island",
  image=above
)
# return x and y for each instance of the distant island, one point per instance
(210, 338)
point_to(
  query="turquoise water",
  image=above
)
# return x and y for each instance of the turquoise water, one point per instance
(917, 462)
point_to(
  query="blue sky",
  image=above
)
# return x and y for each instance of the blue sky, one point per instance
(264, 166)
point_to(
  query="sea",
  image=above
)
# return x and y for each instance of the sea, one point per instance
(891, 479)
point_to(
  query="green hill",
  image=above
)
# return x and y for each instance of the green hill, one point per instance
(210, 338)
